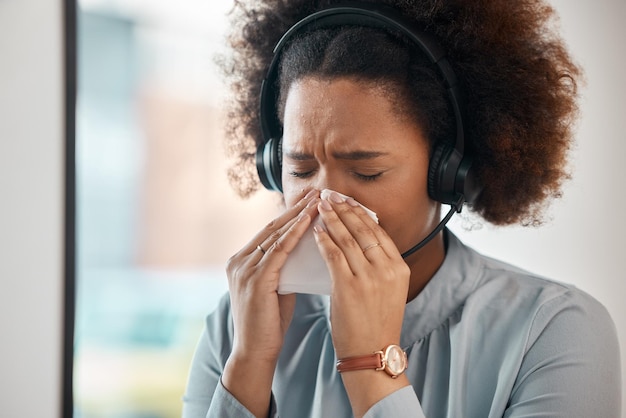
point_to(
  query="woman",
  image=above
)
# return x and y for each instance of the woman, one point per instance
(402, 107)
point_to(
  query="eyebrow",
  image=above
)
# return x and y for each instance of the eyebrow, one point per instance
(357, 155)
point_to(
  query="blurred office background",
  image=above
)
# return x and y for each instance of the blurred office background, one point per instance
(155, 214)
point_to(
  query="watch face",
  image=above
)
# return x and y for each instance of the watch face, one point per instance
(396, 359)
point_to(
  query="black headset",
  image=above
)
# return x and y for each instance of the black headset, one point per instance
(451, 179)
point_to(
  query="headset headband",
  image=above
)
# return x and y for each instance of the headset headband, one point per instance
(368, 15)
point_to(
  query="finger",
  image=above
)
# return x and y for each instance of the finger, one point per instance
(272, 230)
(386, 243)
(268, 265)
(377, 237)
(333, 255)
(276, 255)
(357, 226)
(374, 243)
(343, 239)
(310, 210)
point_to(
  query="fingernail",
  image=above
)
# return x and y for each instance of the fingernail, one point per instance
(302, 217)
(318, 229)
(352, 202)
(325, 205)
(310, 194)
(336, 198)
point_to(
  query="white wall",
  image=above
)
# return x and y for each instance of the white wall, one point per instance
(31, 207)
(583, 244)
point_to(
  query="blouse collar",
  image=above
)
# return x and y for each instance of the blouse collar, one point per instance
(444, 294)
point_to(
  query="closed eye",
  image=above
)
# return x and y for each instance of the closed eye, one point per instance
(366, 177)
(301, 174)
(360, 176)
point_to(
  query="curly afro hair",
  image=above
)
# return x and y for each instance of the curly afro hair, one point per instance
(518, 77)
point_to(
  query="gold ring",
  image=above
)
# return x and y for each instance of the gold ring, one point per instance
(258, 247)
(376, 244)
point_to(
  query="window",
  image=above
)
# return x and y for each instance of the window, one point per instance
(154, 209)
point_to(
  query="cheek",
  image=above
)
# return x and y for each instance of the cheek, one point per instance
(409, 221)
(291, 193)
(408, 212)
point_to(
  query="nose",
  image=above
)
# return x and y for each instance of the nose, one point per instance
(326, 179)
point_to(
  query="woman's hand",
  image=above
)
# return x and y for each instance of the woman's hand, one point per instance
(369, 293)
(261, 316)
(370, 278)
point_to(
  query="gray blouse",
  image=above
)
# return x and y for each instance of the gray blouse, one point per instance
(484, 339)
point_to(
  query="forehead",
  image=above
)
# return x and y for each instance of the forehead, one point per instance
(342, 95)
(344, 113)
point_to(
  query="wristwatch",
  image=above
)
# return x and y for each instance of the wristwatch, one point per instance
(392, 359)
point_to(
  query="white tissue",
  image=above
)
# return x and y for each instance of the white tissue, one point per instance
(305, 270)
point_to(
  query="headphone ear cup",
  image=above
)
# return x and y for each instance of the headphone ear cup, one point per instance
(451, 177)
(435, 171)
(269, 164)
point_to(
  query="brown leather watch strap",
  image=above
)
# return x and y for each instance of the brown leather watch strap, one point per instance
(369, 361)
